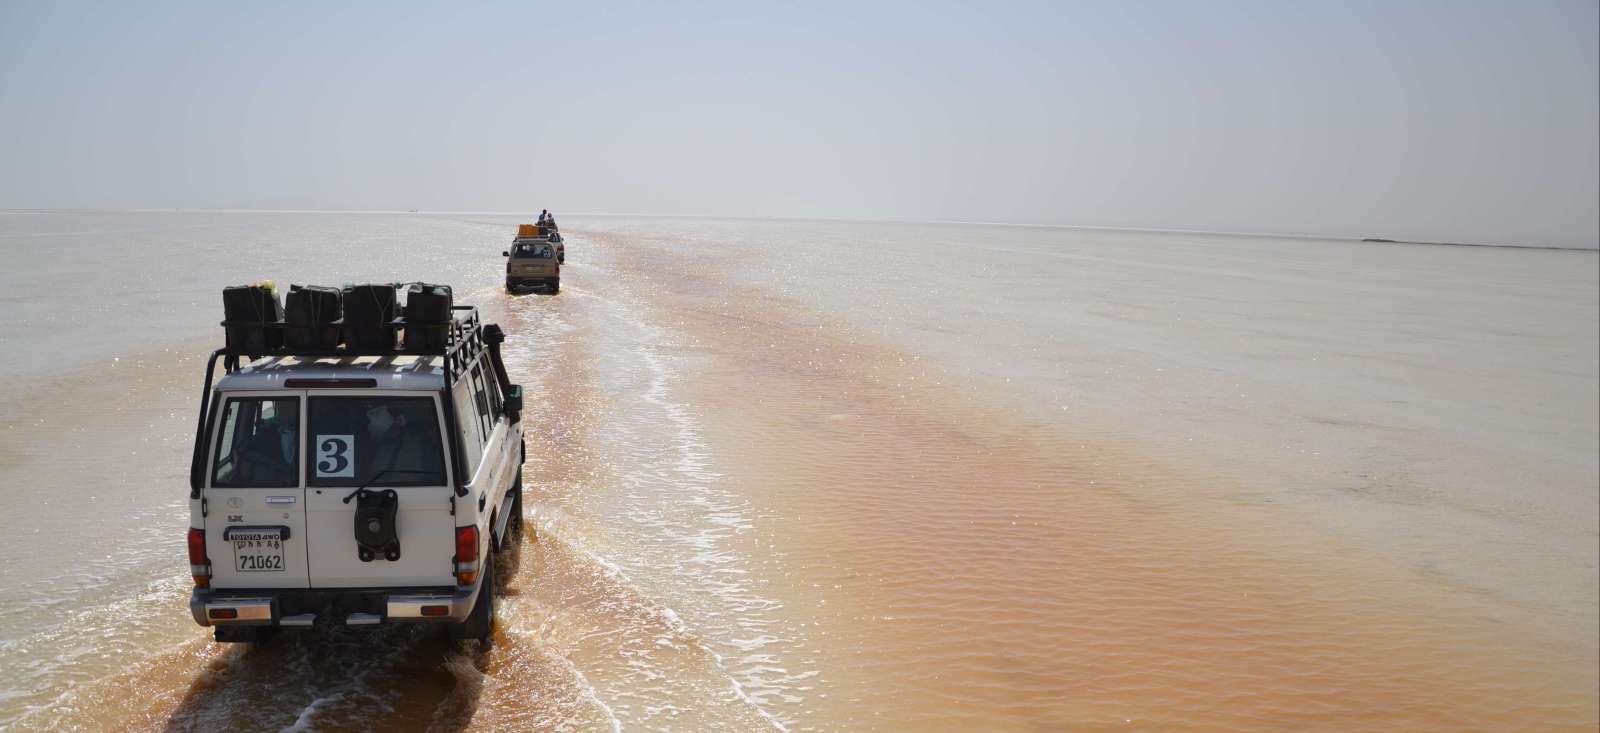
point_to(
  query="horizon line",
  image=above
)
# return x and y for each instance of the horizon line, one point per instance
(860, 220)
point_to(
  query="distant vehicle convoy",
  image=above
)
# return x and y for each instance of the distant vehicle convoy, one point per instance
(535, 258)
(359, 462)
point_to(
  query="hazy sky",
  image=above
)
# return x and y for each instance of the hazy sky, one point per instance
(1449, 121)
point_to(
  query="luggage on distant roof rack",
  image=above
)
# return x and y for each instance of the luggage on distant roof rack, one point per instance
(427, 317)
(253, 316)
(368, 313)
(528, 230)
(312, 313)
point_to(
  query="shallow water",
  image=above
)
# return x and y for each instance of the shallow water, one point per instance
(792, 477)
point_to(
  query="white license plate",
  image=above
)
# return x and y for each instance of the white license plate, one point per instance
(257, 552)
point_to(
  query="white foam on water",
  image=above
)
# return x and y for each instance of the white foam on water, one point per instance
(720, 516)
(667, 532)
(303, 722)
(590, 694)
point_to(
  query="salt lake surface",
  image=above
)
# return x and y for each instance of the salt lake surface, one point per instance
(860, 476)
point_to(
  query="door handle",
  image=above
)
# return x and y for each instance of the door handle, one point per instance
(280, 500)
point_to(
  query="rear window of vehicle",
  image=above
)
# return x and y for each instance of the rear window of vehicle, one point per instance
(374, 441)
(541, 251)
(258, 444)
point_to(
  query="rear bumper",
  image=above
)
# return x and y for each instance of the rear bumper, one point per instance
(344, 607)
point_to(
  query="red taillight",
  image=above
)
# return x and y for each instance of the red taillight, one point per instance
(199, 565)
(197, 546)
(466, 544)
(466, 555)
(435, 611)
(223, 613)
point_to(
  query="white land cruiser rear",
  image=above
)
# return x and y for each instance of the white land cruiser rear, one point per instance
(354, 485)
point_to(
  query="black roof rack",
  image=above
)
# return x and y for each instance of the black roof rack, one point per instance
(463, 343)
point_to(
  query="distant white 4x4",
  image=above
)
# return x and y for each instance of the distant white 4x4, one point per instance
(355, 486)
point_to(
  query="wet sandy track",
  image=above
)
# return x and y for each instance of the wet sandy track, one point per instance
(743, 514)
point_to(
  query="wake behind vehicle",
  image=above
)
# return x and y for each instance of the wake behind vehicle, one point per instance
(353, 465)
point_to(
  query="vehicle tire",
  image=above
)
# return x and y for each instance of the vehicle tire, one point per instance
(515, 523)
(555, 286)
(561, 259)
(480, 622)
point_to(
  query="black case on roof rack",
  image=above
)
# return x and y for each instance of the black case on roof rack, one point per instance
(254, 317)
(314, 315)
(427, 316)
(368, 309)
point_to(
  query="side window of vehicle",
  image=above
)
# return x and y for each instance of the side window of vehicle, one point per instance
(258, 445)
(467, 427)
(229, 435)
(480, 400)
(496, 402)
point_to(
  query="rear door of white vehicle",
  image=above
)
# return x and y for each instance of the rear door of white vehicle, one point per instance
(386, 440)
(255, 517)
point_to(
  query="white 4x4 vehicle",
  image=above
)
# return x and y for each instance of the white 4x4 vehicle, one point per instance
(355, 486)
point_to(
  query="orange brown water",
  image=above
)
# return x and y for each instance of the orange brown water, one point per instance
(747, 513)
(981, 571)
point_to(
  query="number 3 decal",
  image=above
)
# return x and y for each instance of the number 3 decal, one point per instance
(336, 456)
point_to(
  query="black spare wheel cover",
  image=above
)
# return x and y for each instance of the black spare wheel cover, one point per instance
(377, 527)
